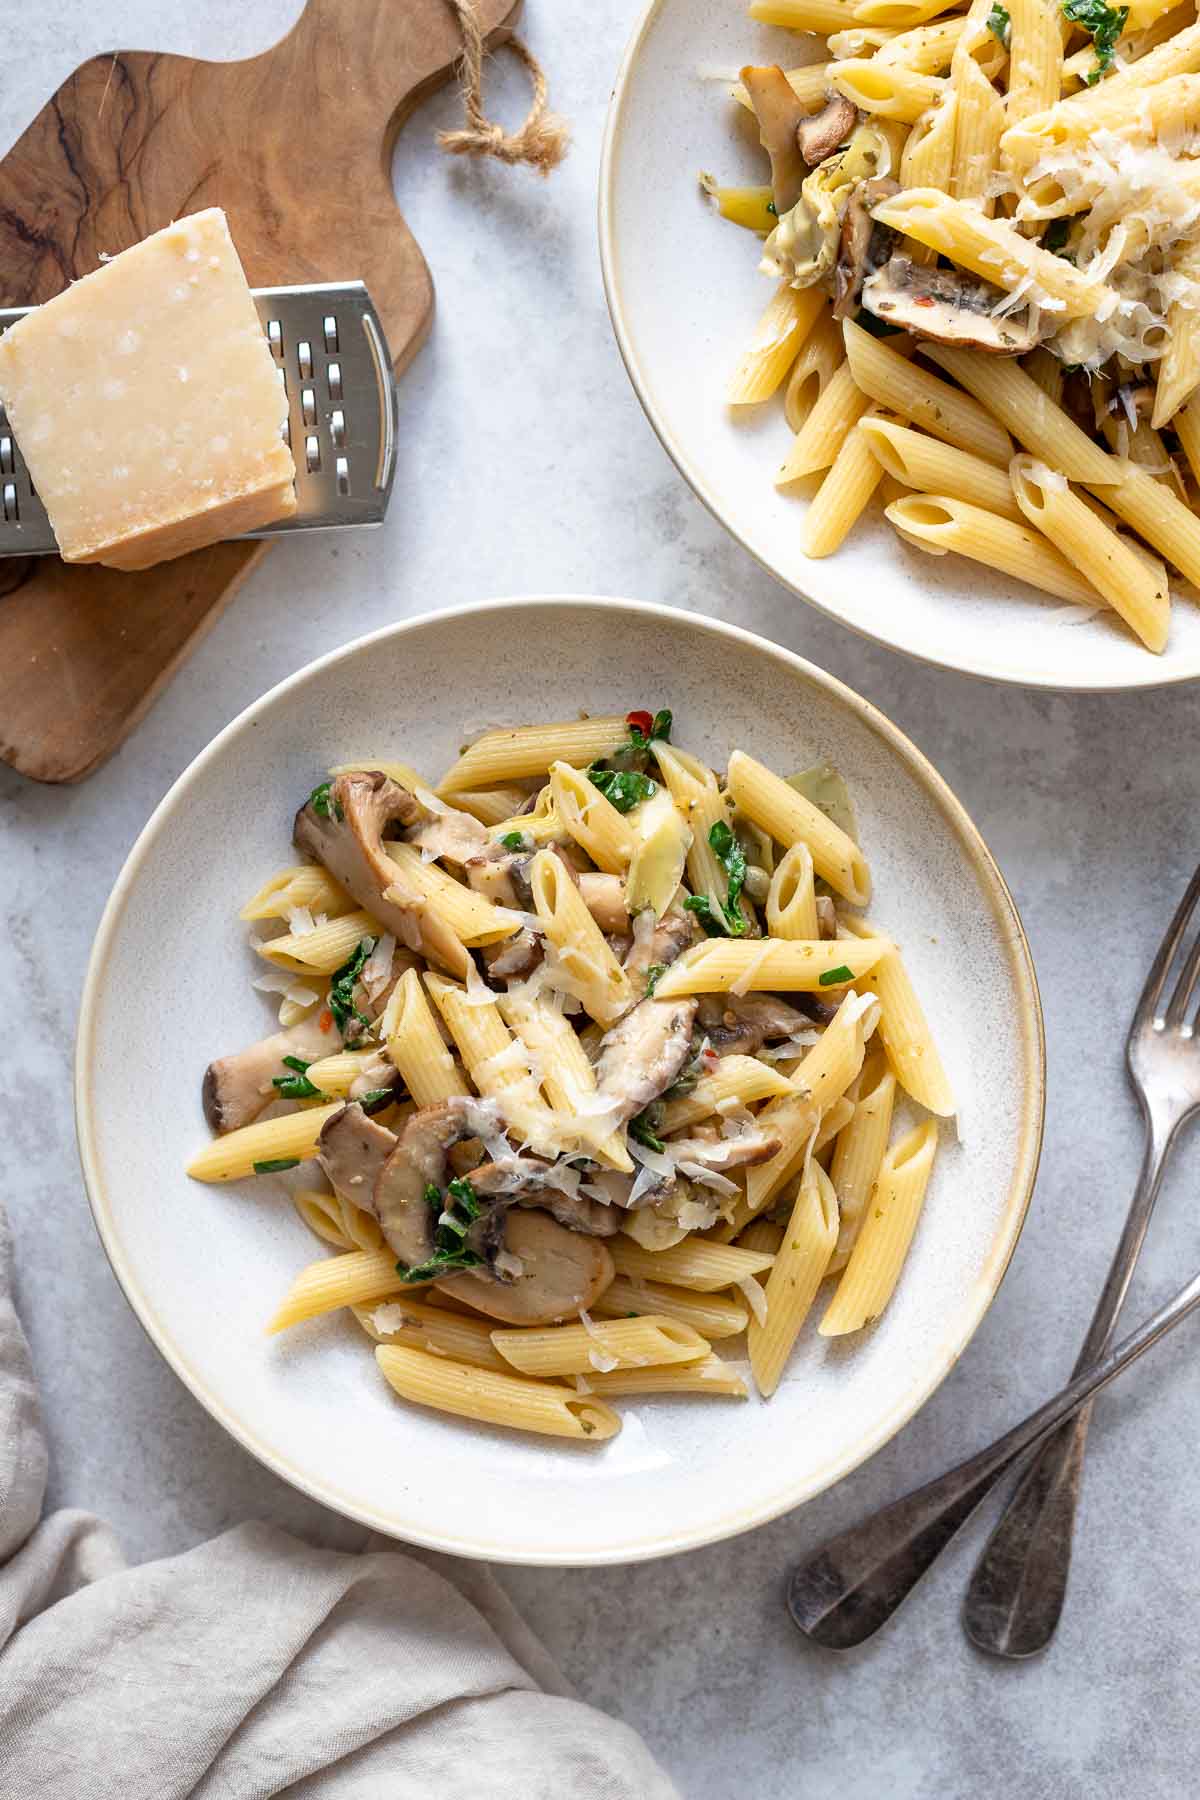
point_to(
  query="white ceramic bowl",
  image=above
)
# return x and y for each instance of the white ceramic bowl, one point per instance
(684, 294)
(203, 1267)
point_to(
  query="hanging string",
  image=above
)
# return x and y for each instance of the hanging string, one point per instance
(541, 141)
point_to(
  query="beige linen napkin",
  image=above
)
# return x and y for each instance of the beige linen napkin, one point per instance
(256, 1665)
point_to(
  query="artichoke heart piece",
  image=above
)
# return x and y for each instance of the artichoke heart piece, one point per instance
(657, 864)
(803, 247)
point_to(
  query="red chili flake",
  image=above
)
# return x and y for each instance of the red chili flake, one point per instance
(922, 300)
(643, 721)
(326, 1020)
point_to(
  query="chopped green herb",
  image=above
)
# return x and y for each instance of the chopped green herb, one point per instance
(654, 975)
(633, 1315)
(774, 212)
(374, 1098)
(350, 1022)
(297, 1086)
(514, 840)
(277, 1166)
(876, 326)
(455, 1217)
(833, 977)
(999, 23)
(641, 1128)
(1104, 24)
(1056, 235)
(622, 788)
(322, 805)
(732, 858)
(701, 905)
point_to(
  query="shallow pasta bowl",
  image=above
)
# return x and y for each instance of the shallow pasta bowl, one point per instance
(685, 295)
(204, 1267)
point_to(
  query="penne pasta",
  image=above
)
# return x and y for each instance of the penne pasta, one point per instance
(835, 412)
(590, 819)
(711, 1377)
(933, 467)
(600, 981)
(496, 1062)
(735, 1079)
(797, 1272)
(433, 1329)
(712, 1315)
(869, 1278)
(506, 755)
(859, 1153)
(936, 523)
(306, 885)
(611, 1343)
(777, 337)
(791, 819)
(904, 1029)
(820, 356)
(791, 898)
(288, 1139)
(494, 1399)
(841, 498)
(892, 90)
(762, 965)
(1021, 406)
(914, 394)
(322, 950)
(337, 1281)
(415, 1045)
(567, 1076)
(695, 1263)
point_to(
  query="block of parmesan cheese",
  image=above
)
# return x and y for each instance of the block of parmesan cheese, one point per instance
(147, 403)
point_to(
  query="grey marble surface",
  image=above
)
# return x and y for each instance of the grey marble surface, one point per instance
(526, 465)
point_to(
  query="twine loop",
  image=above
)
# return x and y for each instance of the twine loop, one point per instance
(541, 141)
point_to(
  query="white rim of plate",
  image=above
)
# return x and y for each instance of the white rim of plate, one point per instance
(1003, 1245)
(1033, 678)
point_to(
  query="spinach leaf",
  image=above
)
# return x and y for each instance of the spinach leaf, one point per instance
(644, 1127)
(999, 23)
(729, 853)
(834, 977)
(654, 975)
(456, 1214)
(622, 788)
(1104, 24)
(322, 805)
(277, 1165)
(297, 1086)
(350, 1022)
(514, 840)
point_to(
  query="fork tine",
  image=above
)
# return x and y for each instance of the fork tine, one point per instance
(1160, 968)
(1184, 988)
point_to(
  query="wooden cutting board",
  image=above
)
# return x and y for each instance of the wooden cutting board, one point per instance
(296, 146)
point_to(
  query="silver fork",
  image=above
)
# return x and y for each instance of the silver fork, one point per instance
(848, 1588)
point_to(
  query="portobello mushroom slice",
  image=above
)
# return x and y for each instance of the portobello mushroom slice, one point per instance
(740, 1027)
(819, 134)
(668, 938)
(530, 1181)
(237, 1088)
(949, 307)
(643, 1054)
(347, 837)
(554, 1273)
(865, 244)
(417, 1161)
(352, 1149)
(780, 116)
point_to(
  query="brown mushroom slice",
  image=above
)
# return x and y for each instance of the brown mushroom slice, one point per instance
(237, 1088)
(740, 1027)
(451, 836)
(718, 1155)
(604, 897)
(531, 1181)
(347, 837)
(949, 307)
(561, 1274)
(643, 1054)
(666, 939)
(352, 1149)
(819, 134)
(866, 245)
(780, 116)
(417, 1161)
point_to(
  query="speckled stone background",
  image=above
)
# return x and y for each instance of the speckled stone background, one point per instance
(526, 464)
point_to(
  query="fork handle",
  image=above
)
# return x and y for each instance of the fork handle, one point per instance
(848, 1588)
(1016, 1593)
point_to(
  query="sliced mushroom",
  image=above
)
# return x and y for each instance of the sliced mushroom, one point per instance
(819, 134)
(451, 836)
(740, 1027)
(643, 1054)
(827, 926)
(719, 1155)
(531, 1181)
(604, 897)
(561, 1273)
(352, 1150)
(237, 1088)
(348, 839)
(498, 874)
(657, 945)
(865, 244)
(780, 116)
(417, 1162)
(949, 307)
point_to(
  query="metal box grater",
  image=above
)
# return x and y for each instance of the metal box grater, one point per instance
(332, 356)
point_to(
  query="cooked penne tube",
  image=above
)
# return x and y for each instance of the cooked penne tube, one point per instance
(1186, 425)
(470, 916)
(796, 1274)
(322, 1213)
(1148, 97)
(902, 14)
(791, 898)
(336, 1281)
(1135, 46)
(841, 498)
(323, 949)
(491, 806)
(337, 1074)
(937, 523)
(761, 965)
(913, 393)
(736, 1078)
(712, 1377)
(431, 1328)
(893, 90)
(869, 1278)
(497, 1063)
(712, 1315)
(1015, 398)
(1128, 584)
(591, 819)
(611, 1343)
(291, 1138)
(925, 48)
(823, 1077)
(740, 1226)
(932, 467)
(567, 1076)
(601, 982)
(695, 1263)
(306, 885)
(415, 1045)
(928, 155)
(1154, 512)
(904, 1029)
(1035, 58)
(495, 1399)
(992, 249)
(510, 755)
(978, 113)
(822, 16)
(838, 408)
(777, 337)
(821, 355)
(859, 1153)
(791, 819)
